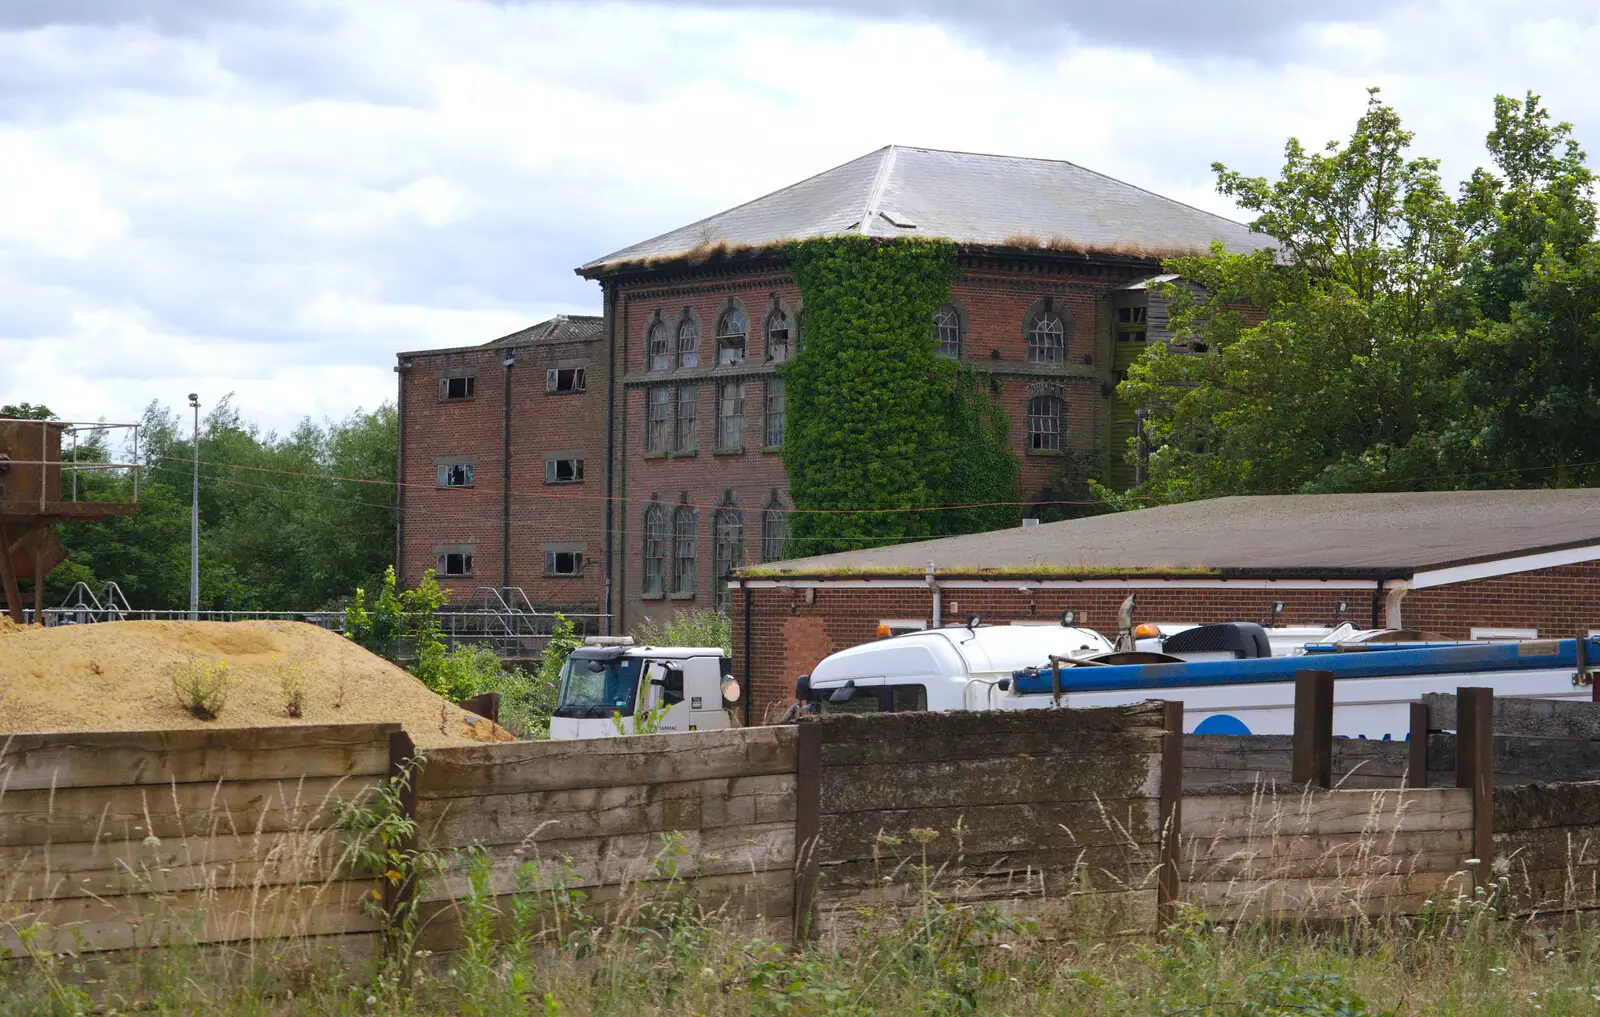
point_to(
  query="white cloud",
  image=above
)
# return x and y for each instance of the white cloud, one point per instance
(277, 198)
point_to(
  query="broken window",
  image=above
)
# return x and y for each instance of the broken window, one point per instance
(457, 388)
(686, 437)
(730, 416)
(773, 414)
(1130, 325)
(455, 475)
(565, 379)
(660, 348)
(563, 563)
(683, 551)
(777, 335)
(655, 548)
(774, 529)
(947, 332)
(657, 419)
(563, 471)
(730, 337)
(454, 563)
(1044, 424)
(688, 343)
(1047, 339)
(727, 550)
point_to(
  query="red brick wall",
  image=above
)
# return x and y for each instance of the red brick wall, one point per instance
(1559, 602)
(540, 514)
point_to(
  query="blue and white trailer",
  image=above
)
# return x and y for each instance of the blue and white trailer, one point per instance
(1373, 686)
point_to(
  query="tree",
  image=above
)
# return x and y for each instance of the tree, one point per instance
(1325, 355)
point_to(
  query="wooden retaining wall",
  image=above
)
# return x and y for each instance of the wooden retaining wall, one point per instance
(1325, 854)
(1547, 845)
(1034, 809)
(133, 839)
(610, 817)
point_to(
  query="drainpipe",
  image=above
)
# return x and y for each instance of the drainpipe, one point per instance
(938, 606)
(608, 307)
(1397, 593)
(505, 473)
(399, 472)
(747, 667)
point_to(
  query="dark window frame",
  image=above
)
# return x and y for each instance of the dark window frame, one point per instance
(467, 383)
(463, 561)
(576, 378)
(445, 472)
(552, 470)
(552, 563)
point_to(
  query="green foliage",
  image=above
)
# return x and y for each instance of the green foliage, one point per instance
(27, 411)
(405, 623)
(202, 686)
(878, 424)
(687, 628)
(275, 532)
(1402, 339)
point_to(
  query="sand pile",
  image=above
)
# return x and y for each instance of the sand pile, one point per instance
(115, 676)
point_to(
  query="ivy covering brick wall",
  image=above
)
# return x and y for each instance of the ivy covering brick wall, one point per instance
(876, 420)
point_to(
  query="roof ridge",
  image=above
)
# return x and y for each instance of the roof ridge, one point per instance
(879, 182)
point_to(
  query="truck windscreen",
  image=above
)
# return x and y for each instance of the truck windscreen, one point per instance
(598, 688)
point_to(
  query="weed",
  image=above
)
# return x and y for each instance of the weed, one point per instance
(202, 686)
(292, 683)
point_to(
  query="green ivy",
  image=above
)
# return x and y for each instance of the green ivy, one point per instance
(876, 419)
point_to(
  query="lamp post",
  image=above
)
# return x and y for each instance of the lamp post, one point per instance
(194, 519)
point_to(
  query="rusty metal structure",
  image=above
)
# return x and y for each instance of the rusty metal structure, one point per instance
(32, 502)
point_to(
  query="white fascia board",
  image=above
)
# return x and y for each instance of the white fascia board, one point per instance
(1504, 566)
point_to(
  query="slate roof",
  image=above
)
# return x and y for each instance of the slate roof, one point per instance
(974, 200)
(1390, 535)
(563, 328)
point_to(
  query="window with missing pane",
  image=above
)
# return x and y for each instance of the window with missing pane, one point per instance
(1044, 424)
(1047, 339)
(1131, 325)
(565, 379)
(773, 414)
(655, 549)
(657, 419)
(686, 436)
(455, 475)
(730, 416)
(659, 344)
(777, 329)
(461, 387)
(947, 332)
(774, 529)
(688, 343)
(563, 563)
(683, 550)
(731, 337)
(563, 471)
(727, 550)
(454, 563)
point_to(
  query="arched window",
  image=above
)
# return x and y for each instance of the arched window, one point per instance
(655, 549)
(730, 337)
(777, 329)
(947, 332)
(1047, 339)
(774, 529)
(660, 347)
(683, 551)
(1044, 424)
(688, 343)
(727, 549)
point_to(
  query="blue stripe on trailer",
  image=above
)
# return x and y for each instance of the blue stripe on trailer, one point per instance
(1532, 655)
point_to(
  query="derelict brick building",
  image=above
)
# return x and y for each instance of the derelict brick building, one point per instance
(1460, 563)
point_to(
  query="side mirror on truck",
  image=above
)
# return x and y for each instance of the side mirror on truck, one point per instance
(844, 693)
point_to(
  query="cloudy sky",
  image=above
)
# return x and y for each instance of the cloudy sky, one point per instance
(273, 197)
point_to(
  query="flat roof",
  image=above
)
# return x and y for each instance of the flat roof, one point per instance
(1389, 536)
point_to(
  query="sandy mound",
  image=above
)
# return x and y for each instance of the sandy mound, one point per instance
(114, 676)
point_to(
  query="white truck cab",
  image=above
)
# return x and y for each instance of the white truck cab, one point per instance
(952, 668)
(678, 688)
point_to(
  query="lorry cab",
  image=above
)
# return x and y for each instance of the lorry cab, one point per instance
(610, 686)
(952, 668)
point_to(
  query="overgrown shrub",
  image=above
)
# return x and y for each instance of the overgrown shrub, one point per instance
(687, 628)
